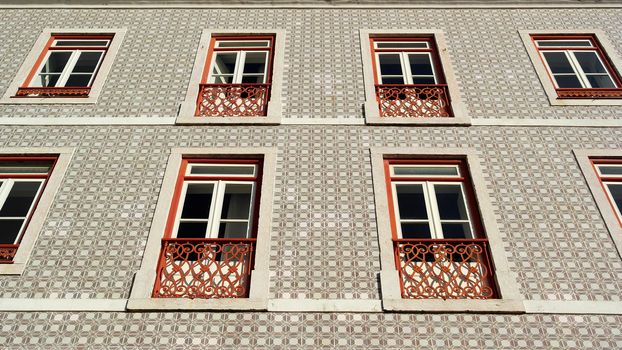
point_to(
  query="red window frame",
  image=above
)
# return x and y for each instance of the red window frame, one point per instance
(596, 47)
(602, 179)
(7, 251)
(25, 90)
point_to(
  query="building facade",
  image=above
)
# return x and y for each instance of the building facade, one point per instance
(334, 175)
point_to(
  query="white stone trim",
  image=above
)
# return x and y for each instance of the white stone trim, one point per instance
(37, 219)
(35, 52)
(33, 305)
(547, 122)
(324, 305)
(372, 112)
(140, 297)
(543, 75)
(87, 121)
(573, 307)
(275, 104)
(510, 298)
(602, 202)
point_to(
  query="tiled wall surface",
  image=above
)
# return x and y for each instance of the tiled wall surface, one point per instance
(306, 331)
(324, 241)
(323, 69)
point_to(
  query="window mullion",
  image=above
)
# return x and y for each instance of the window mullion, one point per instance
(251, 210)
(578, 70)
(396, 210)
(216, 210)
(5, 189)
(433, 213)
(239, 67)
(180, 206)
(468, 209)
(73, 59)
(405, 61)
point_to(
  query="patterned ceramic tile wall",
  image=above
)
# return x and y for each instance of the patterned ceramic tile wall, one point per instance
(324, 233)
(47, 330)
(323, 72)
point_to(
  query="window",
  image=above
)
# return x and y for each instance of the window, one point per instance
(610, 174)
(409, 79)
(22, 181)
(209, 242)
(441, 249)
(236, 79)
(578, 66)
(66, 67)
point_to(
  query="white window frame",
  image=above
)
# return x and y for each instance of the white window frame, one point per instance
(142, 288)
(542, 69)
(371, 108)
(238, 71)
(576, 67)
(275, 104)
(5, 189)
(509, 300)
(407, 75)
(43, 204)
(97, 84)
(71, 63)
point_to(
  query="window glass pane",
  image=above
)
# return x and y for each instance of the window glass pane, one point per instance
(563, 43)
(81, 43)
(221, 79)
(255, 62)
(567, 81)
(451, 204)
(198, 201)
(616, 194)
(601, 81)
(192, 230)
(20, 199)
(411, 202)
(416, 230)
(220, 169)
(79, 80)
(589, 62)
(402, 45)
(456, 230)
(390, 64)
(87, 62)
(9, 229)
(233, 230)
(424, 80)
(56, 62)
(558, 62)
(392, 80)
(45, 80)
(25, 167)
(420, 64)
(252, 79)
(425, 171)
(254, 43)
(610, 170)
(237, 201)
(224, 62)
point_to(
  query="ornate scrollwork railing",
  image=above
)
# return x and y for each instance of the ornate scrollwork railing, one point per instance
(589, 93)
(414, 101)
(7, 253)
(445, 269)
(53, 92)
(233, 100)
(204, 268)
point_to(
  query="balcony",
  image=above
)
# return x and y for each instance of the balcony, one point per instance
(589, 93)
(445, 269)
(204, 268)
(414, 101)
(7, 253)
(53, 92)
(233, 100)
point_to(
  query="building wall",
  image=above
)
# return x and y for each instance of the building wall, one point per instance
(324, 241)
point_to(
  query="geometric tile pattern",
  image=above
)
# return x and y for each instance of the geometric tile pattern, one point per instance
(46, 330)
(323, 75)
(324, 240)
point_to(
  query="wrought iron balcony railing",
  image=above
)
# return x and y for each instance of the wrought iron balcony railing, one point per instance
(589, 93)
(445, 268)
(204, 268)
(414, 101)
(7, 253)
(53, 91)
(233, 100)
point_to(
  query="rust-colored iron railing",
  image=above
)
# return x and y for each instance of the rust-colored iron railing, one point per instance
(445, 269)
(204, 268)
(589, 93)
(7, 253)
(414, 101)
(233, 100)
(53, 92)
